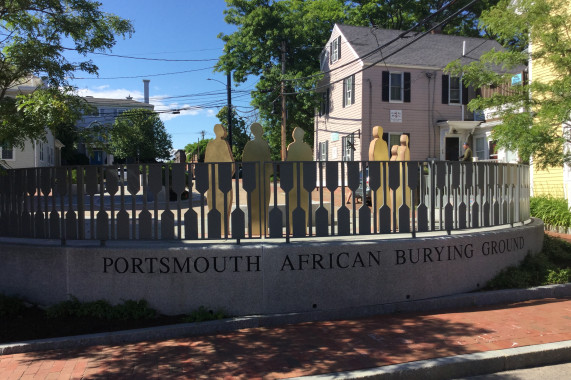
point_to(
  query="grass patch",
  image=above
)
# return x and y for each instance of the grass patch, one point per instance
(551, 266)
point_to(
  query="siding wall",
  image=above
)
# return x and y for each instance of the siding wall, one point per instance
(26, 158)
(341, 120)
(548, 182)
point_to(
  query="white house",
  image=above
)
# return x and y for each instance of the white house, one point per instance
(35, 153)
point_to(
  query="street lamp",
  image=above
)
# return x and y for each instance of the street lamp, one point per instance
(229, 95)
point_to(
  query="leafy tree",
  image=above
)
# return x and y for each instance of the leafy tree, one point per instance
(302, 27)
(35, 35)
(199, 146)
(141, 135)
(239, 134)
(532, 125)
(26, 116)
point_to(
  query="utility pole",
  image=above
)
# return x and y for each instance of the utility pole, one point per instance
(284, 115)
(229, 93)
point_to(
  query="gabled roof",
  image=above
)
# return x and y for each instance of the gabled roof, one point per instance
(432, 50)
(117, 103)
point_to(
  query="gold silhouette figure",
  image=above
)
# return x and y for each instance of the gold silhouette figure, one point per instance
(298, 151)
(378, 151)
(218, 150)
(258, 150)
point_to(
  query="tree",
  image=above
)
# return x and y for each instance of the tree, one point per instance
(239, 134)
(303, 27)
(198, 147)
(34, 35)
(532, 113)
(141, 135)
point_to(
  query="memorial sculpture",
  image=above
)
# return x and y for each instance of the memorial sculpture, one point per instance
(258, 150)
(298, 151)
(378, 151)
(395, 195)
(217, 151)
(404, 155)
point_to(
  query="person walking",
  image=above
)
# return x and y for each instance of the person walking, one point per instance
(467, 153)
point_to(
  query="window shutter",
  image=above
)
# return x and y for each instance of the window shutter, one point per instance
(344, 91)
(330, 52)
(339, 48)
(327, 102)
(444, 89)
(352, 89)
(407, 87)
(326, 150)
(464, 94)
(385, 96)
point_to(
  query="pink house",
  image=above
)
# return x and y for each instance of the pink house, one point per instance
(378, 77)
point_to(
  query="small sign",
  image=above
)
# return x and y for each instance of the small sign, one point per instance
(335, 136)
(334, 152)
(396, 116)
(516, 79)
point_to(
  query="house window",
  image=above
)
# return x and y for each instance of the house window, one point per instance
(324, 106)
(349, 91)
(7, 151)
(396, 87)
(480, 148)
(120, 111)
(348, 147)
(455, 90)
(335, 48)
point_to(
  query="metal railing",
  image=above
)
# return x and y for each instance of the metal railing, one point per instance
(169, 201)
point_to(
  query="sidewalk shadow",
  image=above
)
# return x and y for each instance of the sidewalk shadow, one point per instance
(293, 350)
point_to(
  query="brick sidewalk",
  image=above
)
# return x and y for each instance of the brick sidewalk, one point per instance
(308, 348)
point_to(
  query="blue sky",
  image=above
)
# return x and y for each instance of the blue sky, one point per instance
(175, 30)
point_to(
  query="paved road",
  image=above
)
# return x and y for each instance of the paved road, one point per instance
(551, 372)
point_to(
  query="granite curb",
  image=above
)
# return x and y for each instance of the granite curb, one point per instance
(487, 298)
(460, 366)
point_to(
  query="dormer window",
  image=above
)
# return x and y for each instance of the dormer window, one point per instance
(335, 49)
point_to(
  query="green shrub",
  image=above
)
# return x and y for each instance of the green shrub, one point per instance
(11, 306)
(202, 314)
(553, 211)
(127, 310)
(551, 266)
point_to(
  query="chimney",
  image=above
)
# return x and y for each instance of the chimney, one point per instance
(146, 84)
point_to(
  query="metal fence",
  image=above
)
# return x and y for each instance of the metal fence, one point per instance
(170, 201)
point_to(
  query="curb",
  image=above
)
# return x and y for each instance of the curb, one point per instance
(232, 324)
(453, 367)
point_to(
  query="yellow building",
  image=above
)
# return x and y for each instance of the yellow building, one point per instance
(554, 181)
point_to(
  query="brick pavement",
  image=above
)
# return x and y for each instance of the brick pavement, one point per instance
(307, 348)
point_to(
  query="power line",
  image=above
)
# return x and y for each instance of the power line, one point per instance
(147, 75)
(394, 52)
(147, 58)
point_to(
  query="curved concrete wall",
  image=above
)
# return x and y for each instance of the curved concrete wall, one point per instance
(266, 278)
